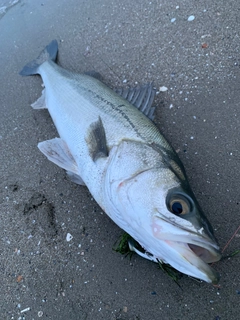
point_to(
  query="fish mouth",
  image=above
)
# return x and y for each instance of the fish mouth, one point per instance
(198, 259)
(187, 248)
(204, 254)
(189, 254)
(193, 258)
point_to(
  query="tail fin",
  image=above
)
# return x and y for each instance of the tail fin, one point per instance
(49, 53)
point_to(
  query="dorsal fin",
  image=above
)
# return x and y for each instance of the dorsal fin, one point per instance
(141, 97)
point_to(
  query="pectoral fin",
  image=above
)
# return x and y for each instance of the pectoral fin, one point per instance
(96, 140)
(56, 150)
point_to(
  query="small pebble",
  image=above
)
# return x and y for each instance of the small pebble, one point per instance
(69, 237)
(40, 314)
(24, 310)
(163, 89)
(191, 18)
(173, 20)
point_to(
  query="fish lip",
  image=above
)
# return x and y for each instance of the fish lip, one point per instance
(199, 238)
(193, 238)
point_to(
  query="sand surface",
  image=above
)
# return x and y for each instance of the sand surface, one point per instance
(128, 42)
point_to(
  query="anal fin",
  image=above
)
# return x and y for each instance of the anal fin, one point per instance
(41, 102)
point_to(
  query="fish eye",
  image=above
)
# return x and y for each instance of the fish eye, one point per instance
(179, 206)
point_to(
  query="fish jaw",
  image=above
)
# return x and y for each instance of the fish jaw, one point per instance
(186, 251)
(184, 259)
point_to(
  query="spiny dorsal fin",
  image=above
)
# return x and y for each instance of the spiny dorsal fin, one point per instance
(96, 140)
(141, 97)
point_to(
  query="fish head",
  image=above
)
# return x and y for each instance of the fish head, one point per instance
(187, 233)
(158, 209)
(178, 231)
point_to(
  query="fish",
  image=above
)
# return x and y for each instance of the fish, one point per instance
(109, 143)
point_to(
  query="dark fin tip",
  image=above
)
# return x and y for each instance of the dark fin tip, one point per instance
(96, 140)
(49, 53)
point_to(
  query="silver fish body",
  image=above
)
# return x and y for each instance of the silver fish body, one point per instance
(130, 169)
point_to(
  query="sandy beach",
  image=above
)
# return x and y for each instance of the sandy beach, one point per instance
(56, 245)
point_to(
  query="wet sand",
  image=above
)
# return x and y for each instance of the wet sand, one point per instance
(128, 43)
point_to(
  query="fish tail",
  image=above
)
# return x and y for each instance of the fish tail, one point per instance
(49, 53)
